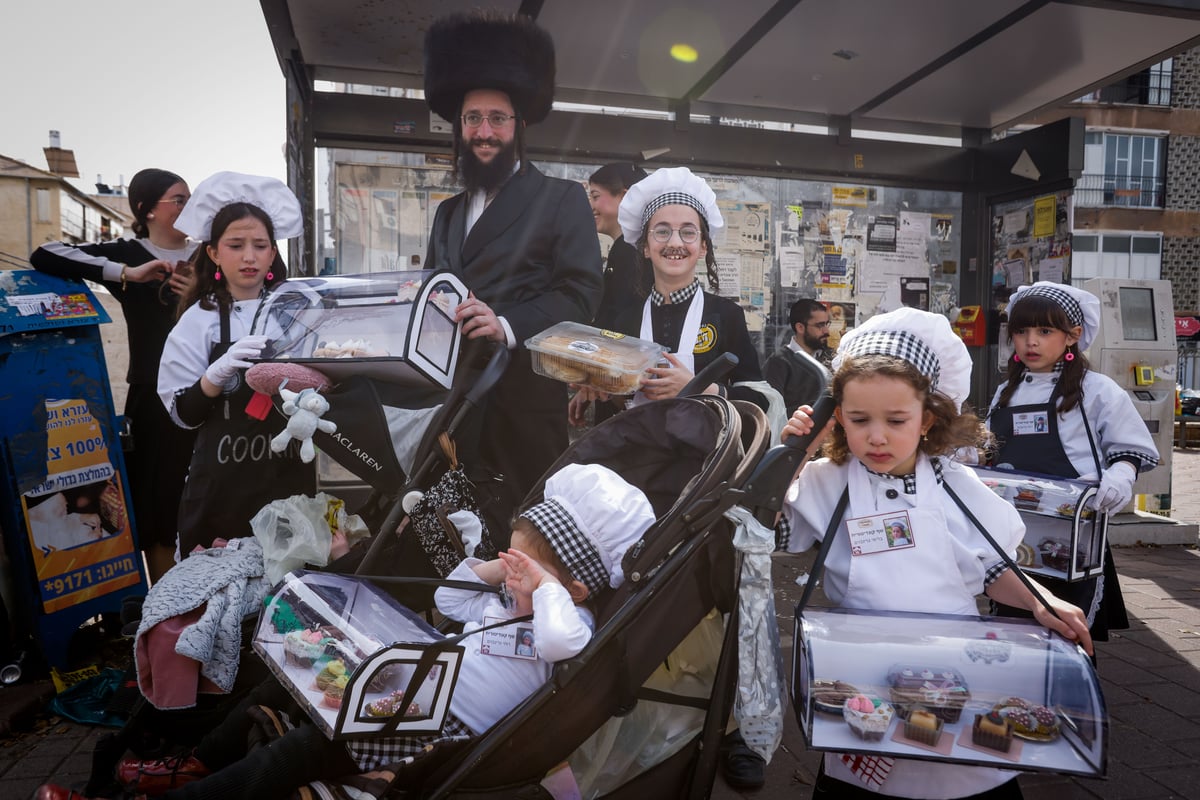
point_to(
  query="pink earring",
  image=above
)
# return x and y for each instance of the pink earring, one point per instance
(1016, 357)
(217, 275)
(1069, 356)
(270, 276)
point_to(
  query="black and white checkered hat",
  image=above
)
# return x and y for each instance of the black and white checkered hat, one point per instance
(1082, 307)
(921, 338)
(591, 516)
(667, 186)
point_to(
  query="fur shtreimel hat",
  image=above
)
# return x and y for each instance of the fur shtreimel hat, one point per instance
(489, 50)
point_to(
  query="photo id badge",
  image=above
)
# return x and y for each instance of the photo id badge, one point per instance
(880, 533)
(508, 641)
(1032, 422)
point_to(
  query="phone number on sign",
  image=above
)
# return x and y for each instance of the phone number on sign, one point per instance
(87, 576)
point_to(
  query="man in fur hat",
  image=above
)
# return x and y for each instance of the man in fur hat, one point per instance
(524, 243)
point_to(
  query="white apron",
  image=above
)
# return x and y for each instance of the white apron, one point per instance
(687, 337)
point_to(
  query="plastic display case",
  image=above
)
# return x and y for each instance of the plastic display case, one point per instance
(974, 690)
(604, 360)
(1063, 539)
(395, 326)
(348, 653)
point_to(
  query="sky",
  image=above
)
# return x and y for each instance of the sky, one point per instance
(191, 86)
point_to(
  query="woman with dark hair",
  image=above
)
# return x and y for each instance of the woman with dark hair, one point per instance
(233, 471)
(146, 276)
(626, 278)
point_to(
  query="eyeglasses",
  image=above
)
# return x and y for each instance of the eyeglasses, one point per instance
(688, 234)
(818, 325)
(496, 120)
(179, 201)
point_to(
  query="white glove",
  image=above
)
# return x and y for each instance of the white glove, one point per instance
(1116, 487)
(223, 370)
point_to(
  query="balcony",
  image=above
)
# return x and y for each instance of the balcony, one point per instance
(1120, 191)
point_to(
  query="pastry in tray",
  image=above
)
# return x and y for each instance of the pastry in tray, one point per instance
(1026, 556)
(868, 717)
(940, 690)
(830, 696)
(1032, 722)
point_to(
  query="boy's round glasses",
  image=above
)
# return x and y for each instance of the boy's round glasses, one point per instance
(688, 234)
(496, 120)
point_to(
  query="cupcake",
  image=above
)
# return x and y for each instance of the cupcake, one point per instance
(303, 648)
(868, 717)
(331, 696)
(992, 731)
(923, 726)
(331, 672)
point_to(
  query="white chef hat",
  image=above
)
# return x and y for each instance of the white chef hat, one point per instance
(921, 338)
(666, 187)
(223, 188)
(1083, 308)
(590, 516)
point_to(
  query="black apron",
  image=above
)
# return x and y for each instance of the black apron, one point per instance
(1028, 440)
(234, 472)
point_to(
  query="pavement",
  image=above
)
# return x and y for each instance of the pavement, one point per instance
(1150, 676)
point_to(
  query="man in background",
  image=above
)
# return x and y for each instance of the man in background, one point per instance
(799, 370)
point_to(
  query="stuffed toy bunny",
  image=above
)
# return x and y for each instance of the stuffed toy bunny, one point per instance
(304, 410)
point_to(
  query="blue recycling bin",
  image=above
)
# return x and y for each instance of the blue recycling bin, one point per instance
(64, 498)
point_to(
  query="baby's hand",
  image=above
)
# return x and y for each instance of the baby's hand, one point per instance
(522, 572)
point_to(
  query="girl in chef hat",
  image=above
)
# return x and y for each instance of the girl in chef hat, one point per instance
(899, 382)
(1056, 416)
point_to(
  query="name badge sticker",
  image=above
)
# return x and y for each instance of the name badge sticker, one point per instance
(508, 641)
(1031, 423)
(880, 533)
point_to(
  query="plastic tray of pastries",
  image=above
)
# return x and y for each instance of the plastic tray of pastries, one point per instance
(603, 360)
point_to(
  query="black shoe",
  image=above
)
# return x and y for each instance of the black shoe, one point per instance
(741, 767)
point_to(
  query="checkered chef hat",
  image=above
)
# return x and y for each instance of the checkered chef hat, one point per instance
(224, 188)
(921, 338)
(666, 187)
(591, 516)
(1083, 308)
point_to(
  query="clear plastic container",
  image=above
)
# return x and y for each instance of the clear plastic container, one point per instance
(604, 360)
(347, 652)
(395, 326)
(963, 689)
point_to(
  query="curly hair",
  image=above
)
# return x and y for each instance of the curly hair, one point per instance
(951, 430)
(1038, 311)
(206, 289)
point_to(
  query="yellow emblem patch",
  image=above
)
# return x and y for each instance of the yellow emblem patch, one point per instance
(705, 340)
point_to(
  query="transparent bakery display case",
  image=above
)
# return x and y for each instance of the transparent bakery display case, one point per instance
(974, 690)
(604, 360)
(1063, 538)
(359, 662)
(394, 326)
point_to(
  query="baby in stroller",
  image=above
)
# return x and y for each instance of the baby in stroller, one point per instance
(566, 550)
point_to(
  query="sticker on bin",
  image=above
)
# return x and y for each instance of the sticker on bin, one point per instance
(603, 360)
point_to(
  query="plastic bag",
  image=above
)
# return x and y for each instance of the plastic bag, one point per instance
(761, 697)
(299, 530)
(88, 701)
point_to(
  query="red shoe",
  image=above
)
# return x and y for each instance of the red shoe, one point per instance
(158, 776)
(52, 791)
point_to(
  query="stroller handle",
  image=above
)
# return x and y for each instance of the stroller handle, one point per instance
(719, 368)
(765, 490)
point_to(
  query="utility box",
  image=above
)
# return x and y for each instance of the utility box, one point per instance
(64, 496)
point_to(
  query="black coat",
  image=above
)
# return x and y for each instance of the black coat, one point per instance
(534, 257)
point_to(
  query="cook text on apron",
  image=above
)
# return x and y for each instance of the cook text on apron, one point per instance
(234, 472)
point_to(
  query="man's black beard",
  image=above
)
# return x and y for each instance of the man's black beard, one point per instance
(478, 175)
(815, 344)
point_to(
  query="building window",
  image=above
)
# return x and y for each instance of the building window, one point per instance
(1150, 87)
(43, 205)
(1122, 170)
(1115, 255)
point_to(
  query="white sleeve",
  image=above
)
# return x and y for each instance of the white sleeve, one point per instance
(561, 629)
(185, 356)
(1119, 428)
(463, 605)
(810, 502)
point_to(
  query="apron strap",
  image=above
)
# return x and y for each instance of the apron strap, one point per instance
(1091, 439)
(826, 543)
(999, 550)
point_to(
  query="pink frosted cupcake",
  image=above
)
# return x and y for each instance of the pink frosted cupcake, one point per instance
(868, 717)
